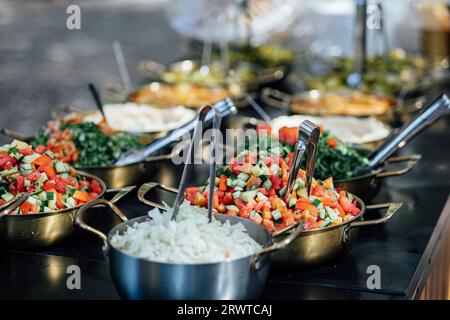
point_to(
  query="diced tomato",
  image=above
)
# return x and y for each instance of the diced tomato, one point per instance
(12, 188)
(94, 186)
(49, 186)
(191, 193)
(347, 206)
(239, 203)
(232, 213)
(332, 142)
(263, 128)
(245, 212)
(200, 200)
(228, 199)
(81, 196)
(42, 161)
(257, 218)
(26, 151)
(25, 207)
(48, 169)
(7, 162)
(20, 181)
(40, 149)
(223, 183)
(288, 135)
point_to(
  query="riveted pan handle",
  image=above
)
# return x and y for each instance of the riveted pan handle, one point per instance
(391, 209)
(79, 218)
(411, 162)
(146, 187)
(277, 245)
(275, 98)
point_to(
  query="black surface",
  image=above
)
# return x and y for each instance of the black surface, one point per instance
(34, 77)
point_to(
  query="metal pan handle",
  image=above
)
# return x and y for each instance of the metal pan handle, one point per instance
(277, 245)
(275, 98)
(391, 209)
(146, 187)
(79, 217)
(15, 135)
(411, 162)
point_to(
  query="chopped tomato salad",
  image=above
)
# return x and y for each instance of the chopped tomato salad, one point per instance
(253, 186)
(50, 183)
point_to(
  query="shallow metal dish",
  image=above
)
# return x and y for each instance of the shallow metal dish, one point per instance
(120, 95)
(138, 278)
(281, 100)
(261, 75)
(42, 229)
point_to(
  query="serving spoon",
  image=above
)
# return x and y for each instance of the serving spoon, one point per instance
(98, 100)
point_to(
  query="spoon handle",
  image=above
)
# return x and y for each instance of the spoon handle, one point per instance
(98, 100)
(426, 117)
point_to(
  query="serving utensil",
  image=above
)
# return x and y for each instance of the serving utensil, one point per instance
(200, 125)
(224, 107)
(308, 138)
(13, 204)
(98, 100)
(396, 140)
(120, 60)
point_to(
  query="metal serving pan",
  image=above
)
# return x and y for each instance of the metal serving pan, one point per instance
(138, 278)
(45, 229)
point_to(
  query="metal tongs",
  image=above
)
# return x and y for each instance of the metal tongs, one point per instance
(190, 159)
(308, 138)
(8, 207)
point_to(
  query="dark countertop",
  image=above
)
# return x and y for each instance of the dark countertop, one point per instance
(43, 64)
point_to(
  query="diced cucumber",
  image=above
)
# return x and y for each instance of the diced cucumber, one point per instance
(52, 204)
(302, 193)
(237, 188)
(30, 158)
(274, 168)
(26, 183)
(236, 194)
(283, 191)
(331, 213)
(240, 183)
(32, 200)
(256, 170)
(70, 190)
(7, 196)
(229, 182)
(42, 178)
(51, 196)
(261, 196)
(264, 177)
(232, 208)
(60, 167)
(322, 213)
(276, 214)
(292, 202)
(316, 202)
(70, 202)
(43, 195)
(243, 176)
(6, 173)
(247, 196)
(267, 185)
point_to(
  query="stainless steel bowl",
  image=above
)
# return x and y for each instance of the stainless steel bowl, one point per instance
(138, 278)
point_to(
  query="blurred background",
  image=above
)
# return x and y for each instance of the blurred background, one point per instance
(43, 63)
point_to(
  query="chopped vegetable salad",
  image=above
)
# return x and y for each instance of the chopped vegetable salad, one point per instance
(51, 184)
